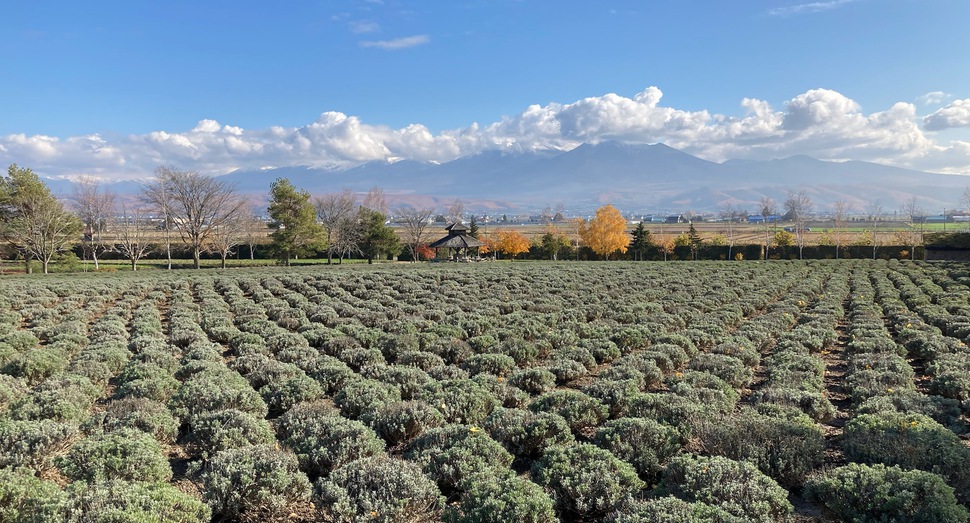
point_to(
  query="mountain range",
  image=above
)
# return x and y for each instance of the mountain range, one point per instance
(633, 177)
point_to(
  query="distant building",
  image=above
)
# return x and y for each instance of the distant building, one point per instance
(676, 218)
(757, 218)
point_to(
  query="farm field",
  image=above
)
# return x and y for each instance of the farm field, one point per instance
(535, 392)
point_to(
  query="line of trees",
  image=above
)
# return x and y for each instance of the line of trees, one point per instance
(186, 209)
(207, 215)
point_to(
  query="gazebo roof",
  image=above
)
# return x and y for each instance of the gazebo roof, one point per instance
(457, 238)
(457, 241)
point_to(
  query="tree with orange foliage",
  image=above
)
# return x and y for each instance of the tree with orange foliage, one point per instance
(606, 233)
(511, 243)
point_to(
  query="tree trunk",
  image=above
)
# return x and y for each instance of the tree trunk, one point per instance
(94, 256)
(196, 254)
(223, 261)
(27, 265)
(134, 265)
(45, 263)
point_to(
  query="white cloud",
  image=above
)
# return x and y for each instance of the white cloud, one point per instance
(810, 7)
(934, 98)
(956, 114)
(361, 27)
(397, 43)
(821, 123)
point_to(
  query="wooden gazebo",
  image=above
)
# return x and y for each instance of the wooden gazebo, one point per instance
(458, 241)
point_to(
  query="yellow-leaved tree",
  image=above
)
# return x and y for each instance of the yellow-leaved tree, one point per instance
(512, 242)
(606, 233)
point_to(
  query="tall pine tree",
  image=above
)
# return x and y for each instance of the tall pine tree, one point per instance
(294, 220)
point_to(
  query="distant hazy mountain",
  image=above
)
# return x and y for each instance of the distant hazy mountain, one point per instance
(632, 177)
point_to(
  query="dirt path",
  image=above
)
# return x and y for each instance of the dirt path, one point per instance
(837, 393)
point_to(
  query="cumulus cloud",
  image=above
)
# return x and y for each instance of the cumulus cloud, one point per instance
(821, 123)
(956, 114)
(397, 43)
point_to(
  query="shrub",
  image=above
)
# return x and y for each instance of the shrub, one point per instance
(616, 395)
(453, 453)
(728, 368)
(146, 380)
(125, 454)
(323, 443)
(257, 482)
(739, 348)
(526, 433)
(814, 404)
(603, 350)
(586, 480)
(909, 440)
(120, 501)
(461, 400)
(379, 489)
(25, 498)
(36, 365)
(402, 421)
(580, 411)
(362, 398)
(410, 380)
(29, 443)
(671, 510)
(670, 409)
(567, 369)
(420, 359)
(497, 364)
(734, 486)
(207, 391)
(877, 493)
(229, 429)
(784, 444)
(502, 498)
(331, 373)
(448, 372)
(282, 394)
(644, 443)
(67, 398)
(11, 389)
(505, 394)
(143, 414)
(945, 411)
(950, 376)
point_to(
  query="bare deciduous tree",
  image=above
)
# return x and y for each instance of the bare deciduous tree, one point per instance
(874, 210)
(375, 200)
(841, 210)
(334, 212)
(230, 234)
(799, 208)
(194, 204)
(414, 223)
(917, 221)
(133, 234)
(767, 209)
(730, 215)
(255, 231)
(455, 212)
(94, 206)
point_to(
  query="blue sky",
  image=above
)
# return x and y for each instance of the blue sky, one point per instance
(114, 88)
